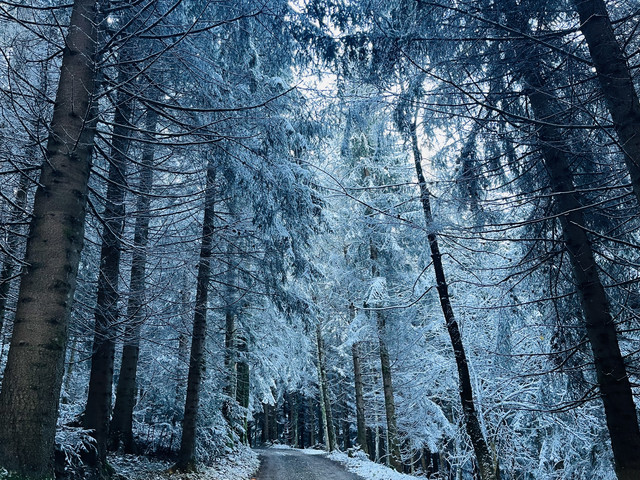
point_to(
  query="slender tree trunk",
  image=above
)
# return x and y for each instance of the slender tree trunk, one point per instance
(9, 264)
(312, 422)
(611, 374)
(615, 78)
(35, 365)
(242, 392)
(98, 408)
(230, 363)
(488, 470)
(360, 418)
(186, 456)
(122, 420)
(395, 460)
(325, 400)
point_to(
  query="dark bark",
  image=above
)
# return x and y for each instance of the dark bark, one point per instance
(487, 469)
(186, 456)
(611, 374)
(616, 81)
(98, 407)
(121, 428)
(35, 364)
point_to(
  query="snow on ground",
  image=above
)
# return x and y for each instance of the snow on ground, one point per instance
(239, 465)
(362, 466)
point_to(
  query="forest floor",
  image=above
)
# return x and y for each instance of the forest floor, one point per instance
(238, 465)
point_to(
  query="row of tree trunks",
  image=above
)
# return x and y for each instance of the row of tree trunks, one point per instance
(35, 364)
(488, 469)
(121, 428)
(98, 408)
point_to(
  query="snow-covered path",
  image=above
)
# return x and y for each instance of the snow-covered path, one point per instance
(290, 464)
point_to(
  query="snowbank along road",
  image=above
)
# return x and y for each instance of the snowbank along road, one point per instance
(289, 464)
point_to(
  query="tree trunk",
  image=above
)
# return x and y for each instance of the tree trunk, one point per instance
(98, 408)
(242, 392)
(488, 471)
(395, 460)
(230, 365)
(122, 421)
(35, 365)
(312, 422)
(613, 382)
(265, 423)
(325, 401)
(360, 418)
(615, 78)
(186, 456)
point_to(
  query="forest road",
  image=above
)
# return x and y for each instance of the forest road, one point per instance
(290, 464)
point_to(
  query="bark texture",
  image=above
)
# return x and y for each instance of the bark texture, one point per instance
(121, 428)
(487, 469)
(35, 364)
(187, 454)
(615, 78)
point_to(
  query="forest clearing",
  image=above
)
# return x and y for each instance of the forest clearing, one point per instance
(402, 235)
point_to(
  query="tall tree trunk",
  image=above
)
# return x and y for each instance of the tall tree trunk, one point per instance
(186, 456)
(13, 242)
(359, 386)
(488, 470)
(615, 78)
(35, 364)
(121, 428)
(325, 400)
(98, 407)
(611, 374)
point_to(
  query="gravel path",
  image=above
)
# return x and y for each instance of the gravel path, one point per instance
(289, 464)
